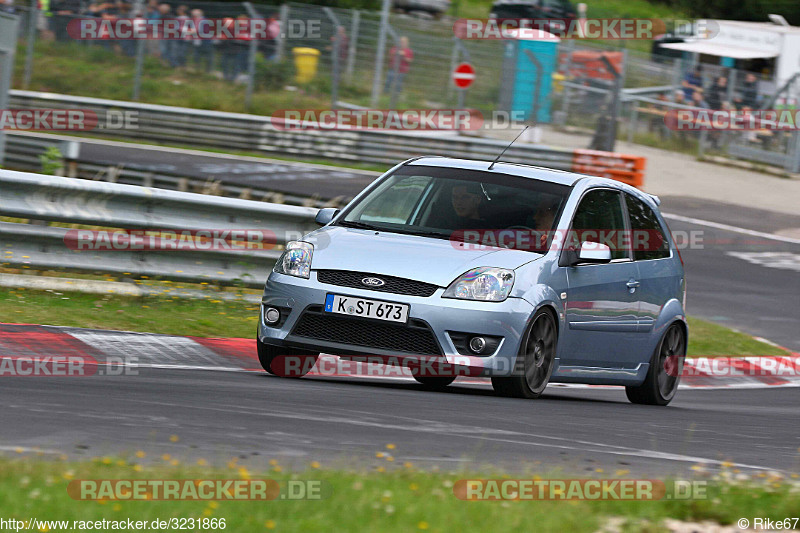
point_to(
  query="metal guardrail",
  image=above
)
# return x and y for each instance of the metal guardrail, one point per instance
(117, 206)
(241, 132)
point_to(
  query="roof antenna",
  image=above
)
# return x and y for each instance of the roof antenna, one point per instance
(507, 147)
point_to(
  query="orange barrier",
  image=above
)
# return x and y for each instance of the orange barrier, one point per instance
(621, 167)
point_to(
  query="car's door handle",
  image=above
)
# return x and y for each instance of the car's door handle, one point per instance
(632, 284)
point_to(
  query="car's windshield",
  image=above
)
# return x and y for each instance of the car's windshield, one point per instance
(465, 205)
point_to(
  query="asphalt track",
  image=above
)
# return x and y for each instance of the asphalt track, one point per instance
(345, 422)
(266, 174)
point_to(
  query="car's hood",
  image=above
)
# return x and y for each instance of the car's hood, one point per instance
(436, 261)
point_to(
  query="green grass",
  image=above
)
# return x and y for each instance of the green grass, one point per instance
(398, 498)
(82, 70)
(212, 317)
(707, 339)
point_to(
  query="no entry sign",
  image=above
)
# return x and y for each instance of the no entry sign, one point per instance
(464, 75)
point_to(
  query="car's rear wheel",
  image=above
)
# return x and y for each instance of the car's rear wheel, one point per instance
(664, 374)
(285, 362)
(435, 382)
(535, 361)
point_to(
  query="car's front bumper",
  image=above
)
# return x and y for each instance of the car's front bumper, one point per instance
(506, 319)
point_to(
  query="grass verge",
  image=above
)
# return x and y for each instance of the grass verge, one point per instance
(397, 498)
(212, 317)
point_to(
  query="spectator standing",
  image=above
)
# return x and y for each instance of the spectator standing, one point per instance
(340, 43)
(7, 6)
(699, 101)
(692, 82)
(179, 47)
(63, 11)
(241, 45)
(268, 46)
(128, 45)
(750, 91)
(202, 48)
(717, 93)
(227, 50)
(164, 47)
(400, 59)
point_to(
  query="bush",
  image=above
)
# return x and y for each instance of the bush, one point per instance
(273, 75)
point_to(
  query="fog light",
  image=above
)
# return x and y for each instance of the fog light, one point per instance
(477, 344)
(272, 315)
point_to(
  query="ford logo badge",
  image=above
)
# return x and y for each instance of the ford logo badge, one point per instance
(373, 282)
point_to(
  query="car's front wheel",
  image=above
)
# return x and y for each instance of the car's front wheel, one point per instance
(535, 361)
(664, 374)
(285, 362)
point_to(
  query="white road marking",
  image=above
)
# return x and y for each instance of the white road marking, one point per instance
(780, 260)
(733, 229)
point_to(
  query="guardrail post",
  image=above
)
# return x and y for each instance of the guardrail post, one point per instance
(8, 45)
(33, 15)
(137, 79)
(793, 155)
(351, 53)
(380, 52)
(633, 120)
(281, 49)
(251, 58)
(335, 56)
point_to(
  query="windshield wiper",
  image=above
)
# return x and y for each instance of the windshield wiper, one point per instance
(426, 233)
(403, 231)
(360, 225)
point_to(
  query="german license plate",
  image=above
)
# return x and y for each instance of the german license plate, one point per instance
(348, 305)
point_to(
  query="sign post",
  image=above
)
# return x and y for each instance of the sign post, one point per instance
(463, 77)
(8, 45)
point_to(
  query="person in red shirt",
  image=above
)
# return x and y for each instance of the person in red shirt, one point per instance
(400, 59)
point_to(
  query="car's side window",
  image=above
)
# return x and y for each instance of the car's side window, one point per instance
(397, 202)
(599, 218)
(648, 238)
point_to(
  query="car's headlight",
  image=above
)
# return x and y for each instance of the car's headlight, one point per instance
(296, 260)
(485, 283)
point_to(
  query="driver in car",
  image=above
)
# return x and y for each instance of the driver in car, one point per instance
(467, 199)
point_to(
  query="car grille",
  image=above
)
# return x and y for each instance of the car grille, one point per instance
(346, 278)
(416, 337)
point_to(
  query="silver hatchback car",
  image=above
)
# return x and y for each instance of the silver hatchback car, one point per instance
(455, 267)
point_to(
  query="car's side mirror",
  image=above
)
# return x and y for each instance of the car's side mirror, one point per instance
(590, 253)
(324, 216)
(594, 252)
